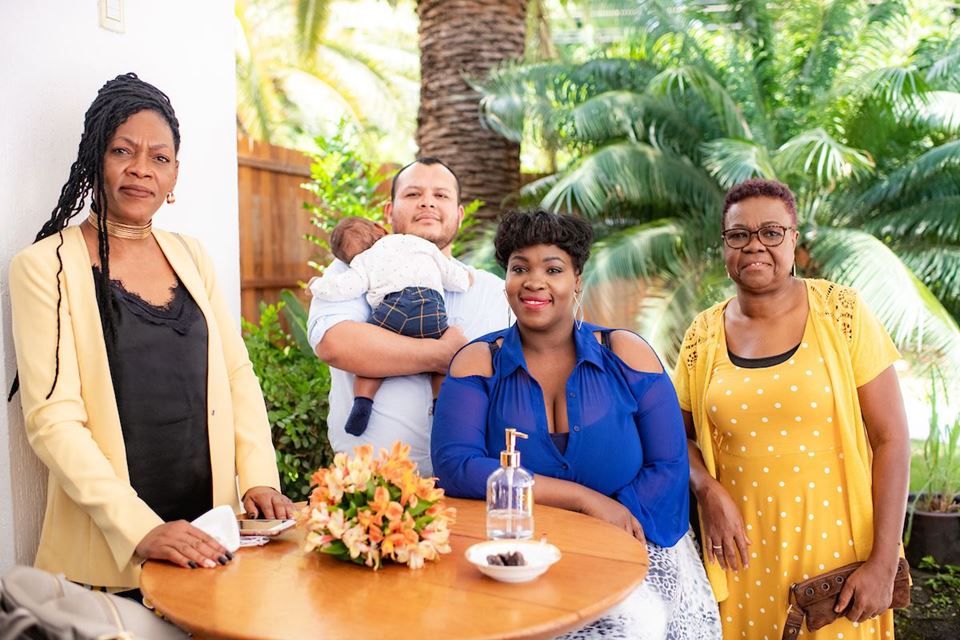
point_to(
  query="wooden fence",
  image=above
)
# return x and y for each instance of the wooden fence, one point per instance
(273, 222)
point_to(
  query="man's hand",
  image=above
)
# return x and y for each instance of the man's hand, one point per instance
(446, 347)
(267, 502)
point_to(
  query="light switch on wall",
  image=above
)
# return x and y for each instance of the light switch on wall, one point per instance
(111, 15)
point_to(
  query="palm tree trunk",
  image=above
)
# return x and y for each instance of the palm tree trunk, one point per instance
(461, 38)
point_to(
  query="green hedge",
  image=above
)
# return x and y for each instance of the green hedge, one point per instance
(295, 387)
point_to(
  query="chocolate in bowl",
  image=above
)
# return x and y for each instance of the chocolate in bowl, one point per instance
(507, 559)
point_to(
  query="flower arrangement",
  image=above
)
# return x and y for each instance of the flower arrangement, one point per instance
(366, 510)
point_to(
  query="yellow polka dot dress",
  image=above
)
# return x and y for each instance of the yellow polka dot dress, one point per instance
(780, 458)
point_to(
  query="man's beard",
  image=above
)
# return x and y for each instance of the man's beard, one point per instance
(441, 238)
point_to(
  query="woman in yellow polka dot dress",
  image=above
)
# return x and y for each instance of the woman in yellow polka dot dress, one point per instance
(799, 453)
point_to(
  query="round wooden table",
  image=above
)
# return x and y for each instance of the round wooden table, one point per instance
(278, 591)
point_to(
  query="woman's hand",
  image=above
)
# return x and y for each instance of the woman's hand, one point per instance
(868, 592)
(182, 543)
(724, 535)
(267, 502)
(607, 509)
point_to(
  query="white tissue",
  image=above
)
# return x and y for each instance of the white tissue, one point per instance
(221, 523)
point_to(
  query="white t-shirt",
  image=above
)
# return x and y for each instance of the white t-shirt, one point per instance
(402, 408)
(392, 264)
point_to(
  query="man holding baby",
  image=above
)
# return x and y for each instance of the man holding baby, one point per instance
(424, 202)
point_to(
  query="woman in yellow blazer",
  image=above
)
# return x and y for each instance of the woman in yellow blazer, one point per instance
(136, 387)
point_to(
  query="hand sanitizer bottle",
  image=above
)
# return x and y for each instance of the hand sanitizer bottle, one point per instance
(510, 495)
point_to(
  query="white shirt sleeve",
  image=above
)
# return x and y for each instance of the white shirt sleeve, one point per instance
(324, 314)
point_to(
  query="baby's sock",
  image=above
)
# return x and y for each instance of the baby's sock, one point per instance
(359, 415)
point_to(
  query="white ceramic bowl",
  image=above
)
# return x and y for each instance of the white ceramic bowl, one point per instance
(539, 557)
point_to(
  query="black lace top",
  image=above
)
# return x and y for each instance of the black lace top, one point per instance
(159, 373)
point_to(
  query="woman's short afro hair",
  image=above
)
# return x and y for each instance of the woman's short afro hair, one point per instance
(522, 229)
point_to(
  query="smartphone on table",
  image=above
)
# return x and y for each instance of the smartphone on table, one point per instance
(264, 527)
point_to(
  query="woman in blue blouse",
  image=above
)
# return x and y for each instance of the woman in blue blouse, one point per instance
(605, 433)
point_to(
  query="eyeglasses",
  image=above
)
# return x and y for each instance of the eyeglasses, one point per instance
(770, 235)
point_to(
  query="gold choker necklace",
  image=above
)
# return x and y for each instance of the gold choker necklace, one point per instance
(120, 230)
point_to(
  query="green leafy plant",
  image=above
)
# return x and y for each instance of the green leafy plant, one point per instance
(944, 583)
(344, 184)
(940, 460)
(295, 386)
(472, 230)
(941, 454)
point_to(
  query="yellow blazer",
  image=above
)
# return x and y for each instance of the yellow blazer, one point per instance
(94, 519)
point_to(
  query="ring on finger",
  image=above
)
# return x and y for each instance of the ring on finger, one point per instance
(718, 546)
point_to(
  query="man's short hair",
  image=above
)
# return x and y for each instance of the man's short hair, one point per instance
(426, 160)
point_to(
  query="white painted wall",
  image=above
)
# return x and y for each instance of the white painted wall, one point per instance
(54, 57)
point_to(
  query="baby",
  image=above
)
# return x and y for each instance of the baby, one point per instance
(403, 277)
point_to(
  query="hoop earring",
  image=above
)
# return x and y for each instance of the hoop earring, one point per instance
(171, 198)
(793, 270)
(509, 314)
(578, 311)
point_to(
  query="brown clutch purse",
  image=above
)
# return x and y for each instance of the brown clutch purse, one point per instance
(815, 598)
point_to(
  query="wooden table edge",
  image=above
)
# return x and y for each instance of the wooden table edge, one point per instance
(571, 621)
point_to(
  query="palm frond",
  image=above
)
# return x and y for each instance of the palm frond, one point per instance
(816, 154)
(385, 78)
(823, 36)
(511, 114)
(536, 191)
(733, 161)
(936, 220)
(632, 173)
(912, 175)
(681, 82)
(327, 79)
(671, 305)
(896, 85)
(942, 67)
(533, 97)
(311, 20)
(633, 116)
(939, 269)
(259, 105)
(646, 251)
(938, 110)
(916, 320)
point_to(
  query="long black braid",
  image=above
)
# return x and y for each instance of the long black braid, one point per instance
(116, 101)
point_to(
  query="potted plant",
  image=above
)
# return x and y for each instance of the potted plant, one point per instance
(933, 525)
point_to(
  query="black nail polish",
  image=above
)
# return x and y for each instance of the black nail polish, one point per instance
(230, 555)
(222, 560)
(192, 564)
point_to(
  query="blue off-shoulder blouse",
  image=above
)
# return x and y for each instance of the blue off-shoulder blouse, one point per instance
(627, 439)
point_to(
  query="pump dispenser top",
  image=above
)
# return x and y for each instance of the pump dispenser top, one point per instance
(511, 457)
